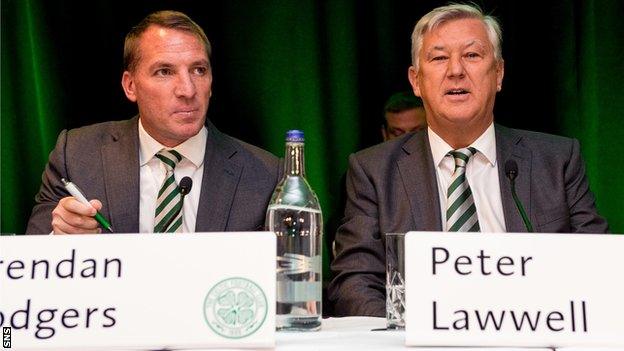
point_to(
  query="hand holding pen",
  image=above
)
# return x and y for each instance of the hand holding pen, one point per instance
(77, 215)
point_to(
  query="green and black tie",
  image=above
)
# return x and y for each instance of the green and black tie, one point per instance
(169, 202)
(461, 213)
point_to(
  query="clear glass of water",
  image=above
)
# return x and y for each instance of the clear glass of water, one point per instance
(395, 280)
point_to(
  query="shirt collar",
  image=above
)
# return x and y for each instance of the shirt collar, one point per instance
(192, 149)
(439, 147)
(485, 144)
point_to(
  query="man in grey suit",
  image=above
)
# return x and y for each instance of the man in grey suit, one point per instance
(131, 169)
(454, 176)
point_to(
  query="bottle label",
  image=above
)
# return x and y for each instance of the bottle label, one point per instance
(292, 263)
(302, 291)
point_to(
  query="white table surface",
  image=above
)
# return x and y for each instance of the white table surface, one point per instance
(354, 333)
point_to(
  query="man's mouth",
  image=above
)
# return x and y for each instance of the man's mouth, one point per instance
(185, 111)
(457, 92)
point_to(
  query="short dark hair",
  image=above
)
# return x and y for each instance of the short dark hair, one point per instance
(167, 19)
(403, 101)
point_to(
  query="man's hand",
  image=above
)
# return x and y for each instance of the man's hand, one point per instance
(72, 217)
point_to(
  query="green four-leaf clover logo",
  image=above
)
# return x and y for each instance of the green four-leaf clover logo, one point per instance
(235, 308)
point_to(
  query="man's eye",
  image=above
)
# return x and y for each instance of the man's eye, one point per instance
(439, 58)
(200, 70)
(472, 55)
(163, 72)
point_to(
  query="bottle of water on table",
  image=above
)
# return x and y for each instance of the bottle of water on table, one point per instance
(294, 214)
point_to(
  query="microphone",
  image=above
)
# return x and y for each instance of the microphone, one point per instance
(185, 186)
(511, 170)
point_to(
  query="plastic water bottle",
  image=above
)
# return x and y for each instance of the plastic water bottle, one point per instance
(294, 214)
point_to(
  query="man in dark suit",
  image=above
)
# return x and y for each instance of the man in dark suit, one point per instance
(452, 177)
(131, 169)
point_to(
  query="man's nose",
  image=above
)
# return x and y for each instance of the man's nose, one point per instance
(185, 87)
(456, 67)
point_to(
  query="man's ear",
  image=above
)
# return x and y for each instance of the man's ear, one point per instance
(127, 82)
(500, 72)
(384, 133)
(412, 75)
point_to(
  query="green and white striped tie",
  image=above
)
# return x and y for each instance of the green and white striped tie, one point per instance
(169, 201)
(461, 212)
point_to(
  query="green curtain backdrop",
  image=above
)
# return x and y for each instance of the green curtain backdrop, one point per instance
(591, 70)
(322, 66)
(30, 120)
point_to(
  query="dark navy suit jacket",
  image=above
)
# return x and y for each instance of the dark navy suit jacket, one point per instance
(392, 188)
(103, 159)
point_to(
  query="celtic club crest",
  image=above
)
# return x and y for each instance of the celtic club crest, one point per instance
(235, 308)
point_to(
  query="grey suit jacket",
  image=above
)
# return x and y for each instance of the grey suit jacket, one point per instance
(103, 160)
(392, 188)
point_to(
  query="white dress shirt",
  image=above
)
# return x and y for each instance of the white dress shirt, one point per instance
(152, 176)
(481, 173)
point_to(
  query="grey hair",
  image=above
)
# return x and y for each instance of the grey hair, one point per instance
(450, 12)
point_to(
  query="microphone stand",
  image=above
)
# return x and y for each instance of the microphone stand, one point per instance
(511, 169)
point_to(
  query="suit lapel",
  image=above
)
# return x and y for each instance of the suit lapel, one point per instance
(420, 182)
(220, 179)
(508, 148)
(120, 161)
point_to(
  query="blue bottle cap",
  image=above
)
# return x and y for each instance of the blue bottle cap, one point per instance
(295, 136)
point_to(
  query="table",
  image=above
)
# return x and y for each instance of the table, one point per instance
(356, 333)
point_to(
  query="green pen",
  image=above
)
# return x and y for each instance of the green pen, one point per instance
(78, 195)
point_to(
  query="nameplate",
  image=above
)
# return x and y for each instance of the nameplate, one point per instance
(529, 290)
(138, 291)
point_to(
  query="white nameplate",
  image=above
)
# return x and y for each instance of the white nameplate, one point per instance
(533, 290)
(138, 291)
